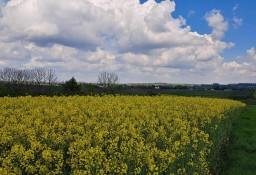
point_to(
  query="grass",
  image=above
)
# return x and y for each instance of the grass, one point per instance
(241, 155)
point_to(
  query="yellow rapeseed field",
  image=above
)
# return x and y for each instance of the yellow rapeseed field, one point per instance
(113, 134)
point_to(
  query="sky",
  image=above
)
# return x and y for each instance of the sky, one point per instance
(180, 41)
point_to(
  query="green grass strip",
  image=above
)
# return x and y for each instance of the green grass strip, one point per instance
(241, 156)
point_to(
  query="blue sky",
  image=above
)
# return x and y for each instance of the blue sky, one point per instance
(242, 36)
(169, 41)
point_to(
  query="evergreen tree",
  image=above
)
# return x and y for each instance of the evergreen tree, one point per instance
(71, 87)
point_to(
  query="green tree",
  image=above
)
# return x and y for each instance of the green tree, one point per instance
(71, 87)
(90, 90)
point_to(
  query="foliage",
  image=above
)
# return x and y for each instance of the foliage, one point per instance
(91, 89)
(113, 135)
(71, 87)
(3, 90)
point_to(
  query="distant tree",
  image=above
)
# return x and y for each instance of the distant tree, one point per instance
(51, 78)
(40, 75)
(90, 89)
(27, 81)
(108, 80)
(71, 87)
(216, 86)
(7, 75)
(10, 77)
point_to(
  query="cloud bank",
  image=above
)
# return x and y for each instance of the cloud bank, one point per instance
(140, 42)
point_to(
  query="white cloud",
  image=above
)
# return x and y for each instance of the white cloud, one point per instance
(218, 24)
(242, 71)
(239, 72)
(141, 42)
(237, 22)
(252, 53)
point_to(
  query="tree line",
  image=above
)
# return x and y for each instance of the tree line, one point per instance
(37, 81)
(28, 76)
(42, 81)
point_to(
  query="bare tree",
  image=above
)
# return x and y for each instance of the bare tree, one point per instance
(28, 76)
(19, 75)
(40, 75)
(20, 81)
(108, 80)
(7, 75)
(51, 78)
(12, 79)
(6, 78)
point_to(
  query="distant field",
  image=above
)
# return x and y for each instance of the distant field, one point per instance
(114, 134)
(231, 94)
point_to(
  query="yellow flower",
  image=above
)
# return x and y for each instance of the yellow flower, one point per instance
(112, 134)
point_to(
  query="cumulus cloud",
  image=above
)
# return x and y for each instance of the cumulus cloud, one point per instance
(218, 24)
(239, 72)
(243, 70)
(141, 42)
(237, 68)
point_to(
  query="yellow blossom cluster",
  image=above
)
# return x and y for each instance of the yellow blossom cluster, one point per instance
(113, 134)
